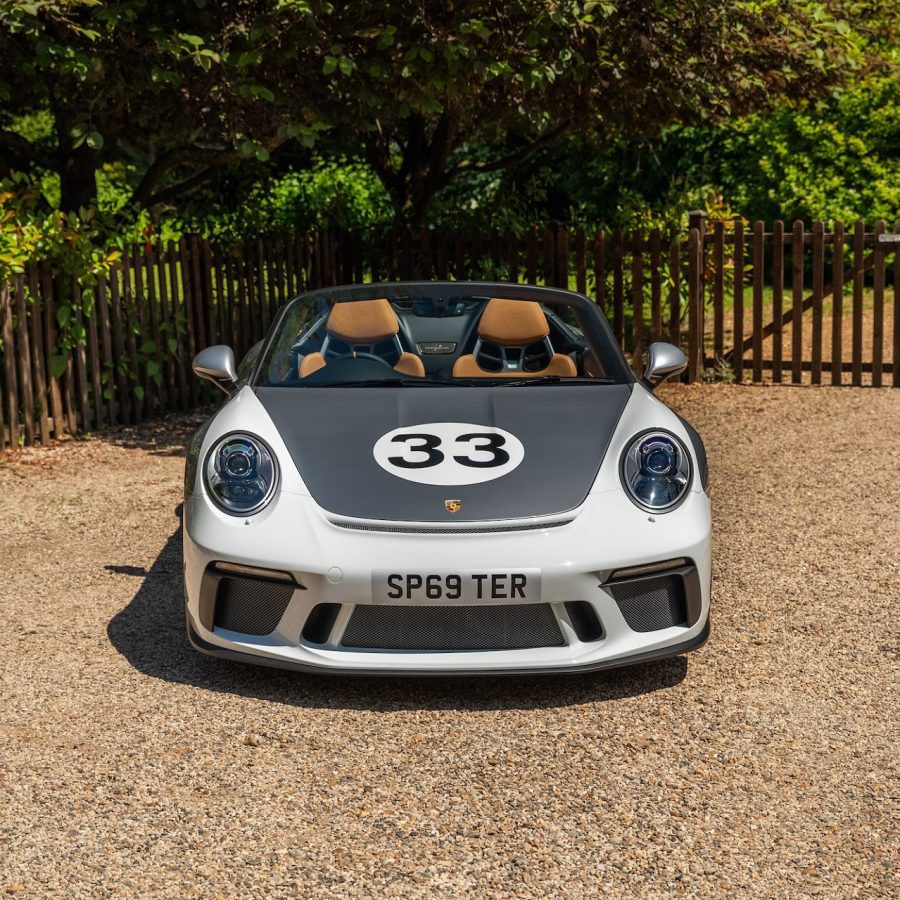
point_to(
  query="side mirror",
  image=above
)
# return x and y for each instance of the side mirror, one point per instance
(216, 364)
(663, 361)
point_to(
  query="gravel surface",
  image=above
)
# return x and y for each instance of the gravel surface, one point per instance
(764, 764)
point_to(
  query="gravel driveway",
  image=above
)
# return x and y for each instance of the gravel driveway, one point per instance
(764, 764)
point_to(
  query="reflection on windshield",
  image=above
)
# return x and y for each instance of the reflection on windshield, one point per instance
(322, 340)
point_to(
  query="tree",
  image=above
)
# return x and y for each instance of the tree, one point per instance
(179, 88)
(437, 90)
(171, 87)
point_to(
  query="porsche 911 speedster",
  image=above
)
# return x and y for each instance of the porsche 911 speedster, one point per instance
(444, 478)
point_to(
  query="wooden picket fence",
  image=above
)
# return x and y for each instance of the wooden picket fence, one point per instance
(745, 302)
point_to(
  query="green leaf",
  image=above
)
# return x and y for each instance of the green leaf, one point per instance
(330, 65)
(94, 140)
(152, 368)
(57, 366)
(138, 392)
(148, 347)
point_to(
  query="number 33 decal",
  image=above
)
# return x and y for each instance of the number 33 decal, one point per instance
(448, 453)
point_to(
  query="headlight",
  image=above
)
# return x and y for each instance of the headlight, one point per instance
(656, 471)
(241, 474)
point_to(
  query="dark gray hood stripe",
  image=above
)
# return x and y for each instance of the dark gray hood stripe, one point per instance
(330, 433)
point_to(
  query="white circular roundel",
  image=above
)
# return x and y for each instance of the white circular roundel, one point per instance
(448, 453)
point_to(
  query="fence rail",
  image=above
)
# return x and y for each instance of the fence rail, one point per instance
(746, 302)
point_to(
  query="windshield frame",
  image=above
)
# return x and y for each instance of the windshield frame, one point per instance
(590, 317)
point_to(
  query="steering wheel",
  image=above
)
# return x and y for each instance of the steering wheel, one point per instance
(373, 356)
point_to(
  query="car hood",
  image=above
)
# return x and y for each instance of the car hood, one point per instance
(331, 434)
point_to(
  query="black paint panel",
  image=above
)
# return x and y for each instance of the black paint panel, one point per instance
(330, 433)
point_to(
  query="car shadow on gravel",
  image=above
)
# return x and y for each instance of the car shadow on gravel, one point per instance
(150, 634)
(167, 436)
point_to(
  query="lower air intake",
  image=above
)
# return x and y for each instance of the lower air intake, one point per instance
(500, 627)
(251, 606)
(650, 604)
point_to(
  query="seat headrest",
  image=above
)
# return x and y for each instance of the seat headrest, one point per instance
(362, 321)
(513, 323)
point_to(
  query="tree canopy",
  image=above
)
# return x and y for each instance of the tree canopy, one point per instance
(175, 91)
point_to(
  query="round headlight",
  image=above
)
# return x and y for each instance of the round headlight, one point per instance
(656, 471)
(240, 474)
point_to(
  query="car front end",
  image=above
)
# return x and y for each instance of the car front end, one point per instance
(604, 582)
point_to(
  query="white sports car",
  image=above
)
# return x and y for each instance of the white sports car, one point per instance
(444, 477)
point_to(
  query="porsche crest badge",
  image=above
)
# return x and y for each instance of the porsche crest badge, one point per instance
(453, 505)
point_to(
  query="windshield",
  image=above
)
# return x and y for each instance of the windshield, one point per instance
(440, 334)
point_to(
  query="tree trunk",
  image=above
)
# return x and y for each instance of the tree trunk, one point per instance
(412, 199)
(78, 179)
(413, 186)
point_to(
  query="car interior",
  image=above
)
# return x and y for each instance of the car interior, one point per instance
(446, 339)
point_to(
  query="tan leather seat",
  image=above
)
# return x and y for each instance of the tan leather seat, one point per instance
(363, 323)
(513, 324)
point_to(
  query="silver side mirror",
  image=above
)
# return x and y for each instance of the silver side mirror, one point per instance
(216, 364)
(663, 361)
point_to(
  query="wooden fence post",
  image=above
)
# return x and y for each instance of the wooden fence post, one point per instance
(818, 291)
(718, 290)
(737, 318)
(837, 303)
(24, 354)
(759, 253)
(878, 305)
(797, 303)
(777, 298)
(859, 237)
(9, 358)
(37, 344)
(637, 300)
(895, 352)
(696, 349)
(618, 263)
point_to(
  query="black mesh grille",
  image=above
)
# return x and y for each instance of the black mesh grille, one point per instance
(649, 604)
(251, 606)
(498, 627)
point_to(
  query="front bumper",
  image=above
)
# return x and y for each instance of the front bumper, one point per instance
(333, 564)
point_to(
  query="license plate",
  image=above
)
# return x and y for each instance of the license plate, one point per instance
(463, 588)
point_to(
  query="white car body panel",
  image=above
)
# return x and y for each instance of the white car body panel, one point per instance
(294, 534)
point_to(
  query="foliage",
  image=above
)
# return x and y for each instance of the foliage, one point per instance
(177, 90)
(77, 245)
(340, 194)
(165, 85)
(435, 94)
(836, 159)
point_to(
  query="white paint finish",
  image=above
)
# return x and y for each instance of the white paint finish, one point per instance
(436, 453)
(608, 532)
(294, 534)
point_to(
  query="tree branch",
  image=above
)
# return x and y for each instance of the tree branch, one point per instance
(210, 158)
(182, 187)
(474, 165)
(21, 150)
(177, 156)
